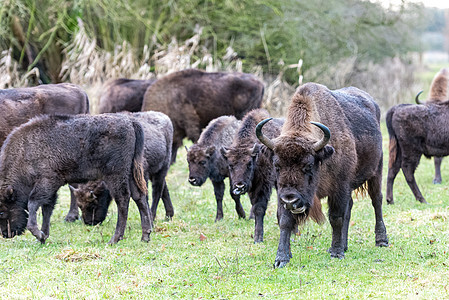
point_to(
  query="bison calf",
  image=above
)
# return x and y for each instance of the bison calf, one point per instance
(250, 166)
(47, 152)
(192, 98)
(94, 198)
(311, 164)
(205, 160)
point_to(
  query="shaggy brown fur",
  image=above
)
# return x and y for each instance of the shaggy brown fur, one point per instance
(47, 152)
(352, 159)
(206, 161)
(123, 95)
(192, 98)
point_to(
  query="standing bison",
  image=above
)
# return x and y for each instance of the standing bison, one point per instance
(47, 152)
(94, 198)
(19, 105)
(205, 160)
(123, 95)
(250, 166)
(192, 98)
(438, 94)
(311, 164)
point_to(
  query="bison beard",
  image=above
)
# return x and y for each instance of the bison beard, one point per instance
(70, 149)
(308, 169)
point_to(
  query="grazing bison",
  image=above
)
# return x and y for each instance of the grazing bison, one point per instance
(47, 152)
(123, 95)
(93, 198)
(19, 105)
(308, 168)
(192, 98)
(250, 166)
(205, 160)
(438, 93)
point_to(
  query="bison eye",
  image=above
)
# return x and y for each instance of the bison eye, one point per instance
(203, 162)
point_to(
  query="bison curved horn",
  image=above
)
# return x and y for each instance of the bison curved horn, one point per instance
(417, 98)
(263, 139)
(327, 135)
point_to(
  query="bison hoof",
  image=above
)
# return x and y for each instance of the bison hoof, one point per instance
(280, 263)
(337, 254)
(423, 201)
(42, 237)
(382, 243)
(146, 237)
(71, 218)
(168, 218)
(390, 201)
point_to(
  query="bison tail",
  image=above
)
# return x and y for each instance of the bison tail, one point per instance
(138, 158)
(393, 148)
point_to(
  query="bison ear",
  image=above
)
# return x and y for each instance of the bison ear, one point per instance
(210, 150)
(9, 193)
(325, 153)
(224, 151)
(255, 150)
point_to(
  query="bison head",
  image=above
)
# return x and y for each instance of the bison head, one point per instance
(297, 162)
(93, 199)
(13, 213)
(241, 163)
(200, 160)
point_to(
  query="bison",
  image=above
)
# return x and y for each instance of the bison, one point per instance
(205, 160)
(250, 166)
(438, 93)
(47, 152)
(309, 167)
(19, 105)
(94, 198)
(415, 130)
(192, 98)
(123, 95)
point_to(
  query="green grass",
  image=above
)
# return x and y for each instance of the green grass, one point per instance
(77, 263)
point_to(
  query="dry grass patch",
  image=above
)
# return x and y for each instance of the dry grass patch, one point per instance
(72, 255)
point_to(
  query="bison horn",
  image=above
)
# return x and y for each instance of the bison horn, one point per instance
(327, 135)
(417, 98)
(263, 139)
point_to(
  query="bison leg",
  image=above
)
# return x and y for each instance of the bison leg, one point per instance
(169, 211)
(260, 208)
(219, 188)
(339, 207)
(32, 222)
(73, 213)
(146, 219)
(437, 162)
(393, 169)
(121, 196)
(286, 225)
(238, 206)
(47, 210)
(157, 186)
(408, 168)
(375, 193)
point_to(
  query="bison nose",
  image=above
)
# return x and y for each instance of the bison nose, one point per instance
(192, 180)
(239, 188)
(292, 203)
(289, 198)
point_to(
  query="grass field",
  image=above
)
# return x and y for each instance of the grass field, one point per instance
(193, 257)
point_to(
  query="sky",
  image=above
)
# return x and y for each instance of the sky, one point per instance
(428, 3)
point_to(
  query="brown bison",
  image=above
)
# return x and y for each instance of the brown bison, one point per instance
(310, 167)
(19, 105)
(415, 130)
(205, 160)
(93, 198)
(123, 95)
(192, 98)
(438, 93)
(250, 166)
(47, 152)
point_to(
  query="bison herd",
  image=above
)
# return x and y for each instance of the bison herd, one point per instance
(329, 145)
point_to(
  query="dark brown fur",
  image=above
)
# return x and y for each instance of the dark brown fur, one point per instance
(19, 105)
(206, 161)
(250, 166)
(415, 130)
(123, 95)
(352, 158)
(47, 152)
(192, 98)
(94, 198)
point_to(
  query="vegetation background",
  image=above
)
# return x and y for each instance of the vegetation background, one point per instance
(284, 42)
